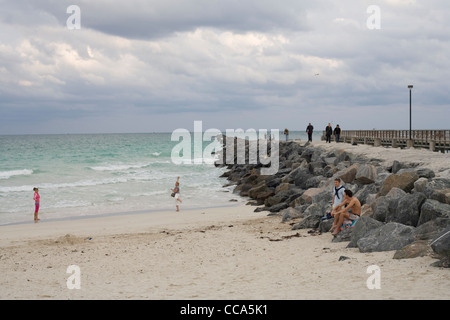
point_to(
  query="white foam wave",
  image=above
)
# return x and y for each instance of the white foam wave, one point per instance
(11, 173)
(119, 167)
(70, 204)
(49, 186)
(196, 161)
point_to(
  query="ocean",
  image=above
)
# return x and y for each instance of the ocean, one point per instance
(98, 174)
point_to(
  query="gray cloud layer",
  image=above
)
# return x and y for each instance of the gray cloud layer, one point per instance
(160, 65)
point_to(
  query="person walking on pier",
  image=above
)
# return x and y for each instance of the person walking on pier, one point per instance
(337, 133)
(328, 133)
(286, 133)
(309, 130)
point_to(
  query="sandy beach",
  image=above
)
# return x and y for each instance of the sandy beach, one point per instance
(215, 253)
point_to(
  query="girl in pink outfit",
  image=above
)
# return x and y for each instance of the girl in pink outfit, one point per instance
(36, 199)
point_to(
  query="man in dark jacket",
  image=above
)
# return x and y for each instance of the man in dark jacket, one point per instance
(337, 133)
(328, 132)
(309, 130)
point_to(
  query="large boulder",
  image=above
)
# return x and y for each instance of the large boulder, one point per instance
(380, 209)
(384, 206)
(282, 187)
(307, 153)
(329, 160)
(404, 181)
(315, 209)
(391, 236)
(316, 167)
(313, 182)
(311, 216)
(362, 228)
(363, 193)
(279, 197)
(273, 182)
(419, 248)
(436, 184)
(289, 214)
(343, 235)
(441, 195)
(307, 223)
(348, 174)
(325, 225)
(408, 209)
(421, 172)
(253, 192)
(441, 244)
(314, 195)
(366, 174)
(341, 156)
(429, 230)
(396, 166)
(299, 176)
(420, 184)
(277, 208)
(432, 209)
(263, 196)
(425, 173)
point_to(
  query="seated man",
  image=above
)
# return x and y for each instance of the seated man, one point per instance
(350, 208)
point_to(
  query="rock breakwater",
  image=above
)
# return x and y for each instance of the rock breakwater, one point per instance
(405, 207)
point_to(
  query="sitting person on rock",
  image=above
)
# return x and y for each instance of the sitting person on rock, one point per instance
(338, 195)
(349, 209)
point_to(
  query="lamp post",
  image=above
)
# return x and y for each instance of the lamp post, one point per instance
(410, 87)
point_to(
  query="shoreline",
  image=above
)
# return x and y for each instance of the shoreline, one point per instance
(117, 223)
(227, 252)
(112, 214)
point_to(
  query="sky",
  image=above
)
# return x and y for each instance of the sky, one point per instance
(156, 66)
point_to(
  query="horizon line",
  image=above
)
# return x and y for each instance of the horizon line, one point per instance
(203, 131)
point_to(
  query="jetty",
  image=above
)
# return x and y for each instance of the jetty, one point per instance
(434, 140)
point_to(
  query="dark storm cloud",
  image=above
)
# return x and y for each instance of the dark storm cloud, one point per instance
(139, 19)
(146, 20)
(235, 63)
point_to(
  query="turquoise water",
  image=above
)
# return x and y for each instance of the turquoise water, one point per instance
(93, 174)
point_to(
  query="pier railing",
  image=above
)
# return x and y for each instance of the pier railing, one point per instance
(424, 135)
(436, 140)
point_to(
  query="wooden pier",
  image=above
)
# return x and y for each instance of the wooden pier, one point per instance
(434, 140)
